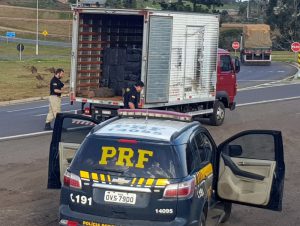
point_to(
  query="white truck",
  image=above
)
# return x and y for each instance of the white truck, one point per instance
(173, 53)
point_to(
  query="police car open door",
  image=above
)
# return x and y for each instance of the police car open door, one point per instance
(251, 169)
(68, 133)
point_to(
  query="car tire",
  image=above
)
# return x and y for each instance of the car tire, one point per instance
(218, 115)
(227, 212)
(202, 220)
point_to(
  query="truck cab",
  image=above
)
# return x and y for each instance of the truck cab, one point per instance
(227, 69)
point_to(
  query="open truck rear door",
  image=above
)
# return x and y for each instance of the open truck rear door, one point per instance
(68, 133)
(250, 169)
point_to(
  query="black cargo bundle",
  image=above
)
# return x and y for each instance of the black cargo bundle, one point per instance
(121, 68)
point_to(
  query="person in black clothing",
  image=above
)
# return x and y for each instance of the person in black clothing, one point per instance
(56, 86)
(131, 96)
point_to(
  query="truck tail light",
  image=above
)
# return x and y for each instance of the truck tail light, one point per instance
(268, 51)
(71, 180)
(183, 190)
(87, 111)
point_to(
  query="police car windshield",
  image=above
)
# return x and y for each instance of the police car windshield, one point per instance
(140, 159)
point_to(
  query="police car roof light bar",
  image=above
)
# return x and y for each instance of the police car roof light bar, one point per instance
(151, 113)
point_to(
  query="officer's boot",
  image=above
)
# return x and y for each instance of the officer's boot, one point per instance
(48, 126)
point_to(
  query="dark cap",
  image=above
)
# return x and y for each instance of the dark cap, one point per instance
(139, 83)
(59, 70)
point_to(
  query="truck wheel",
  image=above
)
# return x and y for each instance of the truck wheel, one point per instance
(242, 58)
(227, 212)
(218, 115)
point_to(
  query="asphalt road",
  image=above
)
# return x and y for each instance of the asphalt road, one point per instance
(24, 199)
(30, 117)
(254, 75)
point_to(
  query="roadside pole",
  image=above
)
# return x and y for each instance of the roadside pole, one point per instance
(298, 64)
(20, 48)
(235, 45)
(37, 29)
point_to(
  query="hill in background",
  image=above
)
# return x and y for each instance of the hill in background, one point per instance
(43, 4)
(22, 20)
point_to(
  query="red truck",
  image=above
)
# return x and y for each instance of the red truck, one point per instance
(227, 69)
(173, 53)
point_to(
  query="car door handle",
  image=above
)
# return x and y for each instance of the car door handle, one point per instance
(237, 171)
(253, 164)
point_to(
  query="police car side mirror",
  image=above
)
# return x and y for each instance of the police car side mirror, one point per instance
(235, 150)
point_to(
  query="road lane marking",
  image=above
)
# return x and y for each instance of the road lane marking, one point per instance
(49, 132)
(267, 85)
(268, 101)
(258, 80)
(26, 109)
(21, 136)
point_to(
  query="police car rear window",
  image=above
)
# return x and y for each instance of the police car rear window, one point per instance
(130, 158)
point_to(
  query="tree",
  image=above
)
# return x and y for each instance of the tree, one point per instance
(114, 4)
(197, 5)
(284, 16)
(208, 3)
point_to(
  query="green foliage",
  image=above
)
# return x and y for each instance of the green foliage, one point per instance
(175, 6)
(225, 17)
(284, 17)
(113, 4)
(228, 36)
(209, 3)
(243, 9)
(130, 4)
(202, 6)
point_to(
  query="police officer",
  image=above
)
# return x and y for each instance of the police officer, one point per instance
(132, 95)
(56, 86)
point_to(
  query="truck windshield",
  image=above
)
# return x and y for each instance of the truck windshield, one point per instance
(128, 158)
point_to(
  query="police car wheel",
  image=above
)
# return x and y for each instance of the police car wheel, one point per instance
(202, 220)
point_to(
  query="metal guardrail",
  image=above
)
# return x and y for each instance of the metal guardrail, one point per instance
(32, 41)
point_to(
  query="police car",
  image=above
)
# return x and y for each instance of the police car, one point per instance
(148, 167)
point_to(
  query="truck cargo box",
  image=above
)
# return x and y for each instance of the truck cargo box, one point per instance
(173, 53)
(257, 36)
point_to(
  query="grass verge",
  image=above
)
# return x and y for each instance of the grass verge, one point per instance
(31, 76)
(282, 56)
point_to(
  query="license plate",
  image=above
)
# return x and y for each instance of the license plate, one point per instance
(106, 112)
(120, 197)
